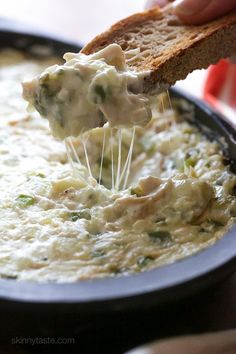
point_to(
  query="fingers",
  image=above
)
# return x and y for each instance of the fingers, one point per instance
(152, 3)
(197, 11)
(217, 343)
(201, 11)
(194, 12)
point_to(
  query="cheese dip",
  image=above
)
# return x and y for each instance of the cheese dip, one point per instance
(57, 224)
(88, 91)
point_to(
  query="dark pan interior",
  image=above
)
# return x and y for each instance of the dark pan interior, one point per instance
(153, 288)
(17, 36)
(212, 123)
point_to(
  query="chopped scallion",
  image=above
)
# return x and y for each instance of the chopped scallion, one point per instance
(136, 191)
(161, 235)
(100, 94)
(74, 216)
(25, 200)
(143, 261)
(97, 253)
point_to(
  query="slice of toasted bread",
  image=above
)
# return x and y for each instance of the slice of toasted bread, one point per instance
(168, 48)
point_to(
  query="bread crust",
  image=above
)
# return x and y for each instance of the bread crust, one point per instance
(169, 49)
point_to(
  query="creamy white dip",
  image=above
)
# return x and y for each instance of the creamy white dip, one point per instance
(60, 226)
(89, 91)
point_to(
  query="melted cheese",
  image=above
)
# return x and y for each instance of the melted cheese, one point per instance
(57, 225)
(88, 91)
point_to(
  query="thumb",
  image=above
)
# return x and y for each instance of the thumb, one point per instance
(152, 3)
(201, 11)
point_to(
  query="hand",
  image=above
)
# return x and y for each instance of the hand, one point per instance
(197, 11)
(220, 343)
(214, 311)
(219, 312)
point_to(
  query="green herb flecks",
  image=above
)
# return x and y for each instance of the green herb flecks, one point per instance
(74, 216)
(136, 191)
(117, 271)
(41, 175)
(98, 253)
(190, 162)
(191, 158)
(217, 223)
(106, 163)
(25, 201)
(143, 261)
(48, 97)
(162, 236)
(100, 94)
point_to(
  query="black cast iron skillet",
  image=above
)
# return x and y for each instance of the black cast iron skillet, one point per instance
(157, 287)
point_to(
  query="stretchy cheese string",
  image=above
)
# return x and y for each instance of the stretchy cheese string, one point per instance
(126, 168)
(129, 159)
(122, 175)
(102, 156)
(74, 151)
(119, 159)
(162, 104)
(72, 155)
(112, 160)
(86, 157)
(69, 155)
(170, 103)
(171, 107)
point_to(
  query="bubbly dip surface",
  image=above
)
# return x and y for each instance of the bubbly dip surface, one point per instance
(58, 224)
(89, 91)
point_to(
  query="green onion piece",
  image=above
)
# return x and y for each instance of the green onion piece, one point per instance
(188, 130)
(100, 94)
(151, 150)
(25, 200)
(163, 236)
(74, 216)
(41, 175)
(143, 261)
(217, 223)
(98, 253)
(190, 162)
(136, 191)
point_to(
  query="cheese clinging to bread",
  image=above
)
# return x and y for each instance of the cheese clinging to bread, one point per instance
(89, 91)
(108, 80)
(169, 50)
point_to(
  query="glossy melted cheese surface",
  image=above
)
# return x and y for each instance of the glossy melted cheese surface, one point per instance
(89, 91)
(58, 224)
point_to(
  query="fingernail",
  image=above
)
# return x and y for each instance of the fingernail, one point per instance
(190, 7)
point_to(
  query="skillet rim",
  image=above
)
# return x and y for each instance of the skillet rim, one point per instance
(176, 280)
